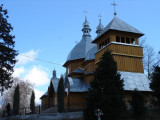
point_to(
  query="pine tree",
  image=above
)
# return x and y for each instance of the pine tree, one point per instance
(138, 104)
(32, 102)
(155, 83)
(7, 52)
(106, 90)
(16, 100)
(60, 95)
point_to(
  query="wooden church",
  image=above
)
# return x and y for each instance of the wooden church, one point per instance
(119, 37)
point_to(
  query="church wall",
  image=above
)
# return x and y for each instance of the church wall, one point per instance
(129, 64)
(90, 67)
(44, 102)
(112, 37)
(128, 58)
(89, 78)
(74, 65)
(77, 99)
(147, 97)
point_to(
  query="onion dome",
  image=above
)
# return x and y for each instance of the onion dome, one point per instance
(81, 49)
(100, 27)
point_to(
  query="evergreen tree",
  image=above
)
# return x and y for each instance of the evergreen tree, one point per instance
(16, 100)
(138, 104)
(155, 83)
(106, 90)
(32, 102)
(60, 95)
(7, 52)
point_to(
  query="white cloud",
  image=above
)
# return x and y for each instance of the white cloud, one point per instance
(18, 71)
(26, 57)
(37, 75)
(38, 94)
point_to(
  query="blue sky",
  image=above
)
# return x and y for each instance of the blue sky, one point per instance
(48, 29)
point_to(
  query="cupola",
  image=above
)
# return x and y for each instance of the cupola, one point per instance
(100, 27)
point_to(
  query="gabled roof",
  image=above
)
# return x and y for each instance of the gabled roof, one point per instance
(119, 25)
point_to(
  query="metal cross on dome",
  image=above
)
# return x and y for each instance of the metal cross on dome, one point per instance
(85, 13)
(100, 16)
(114, 5)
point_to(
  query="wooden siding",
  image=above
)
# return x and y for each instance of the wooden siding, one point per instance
(89, 79)
(77, 100)
(129, 64)
(90, 67)
(128, 58)
(74, 65)
(112, 36)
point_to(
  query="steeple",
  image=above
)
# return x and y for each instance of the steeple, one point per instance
(54, 74)
(86, 28)
(100, 27)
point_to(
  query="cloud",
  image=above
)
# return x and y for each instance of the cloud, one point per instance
(38, 76)
(26, 57)
(18, 71)
(38, 94)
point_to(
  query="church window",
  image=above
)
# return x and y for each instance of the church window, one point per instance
(122, 40)
(117, 39)
(103, 44)
(100, 46)
(108, 40)
(127, 40)
(132, 40)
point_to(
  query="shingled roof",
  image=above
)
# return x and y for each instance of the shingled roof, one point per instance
(119, 25)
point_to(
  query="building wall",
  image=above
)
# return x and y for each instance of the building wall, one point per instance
(44, 102)
(147, 97)
(128, 58)
(74, 65)
(89, 78)
(77, 99)
(90, 67)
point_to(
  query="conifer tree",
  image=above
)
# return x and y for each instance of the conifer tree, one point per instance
(16, 100)
(7, 52)
(155, 83)
(60, 95)
(32, 102)
(106, 90)
(138, 104)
